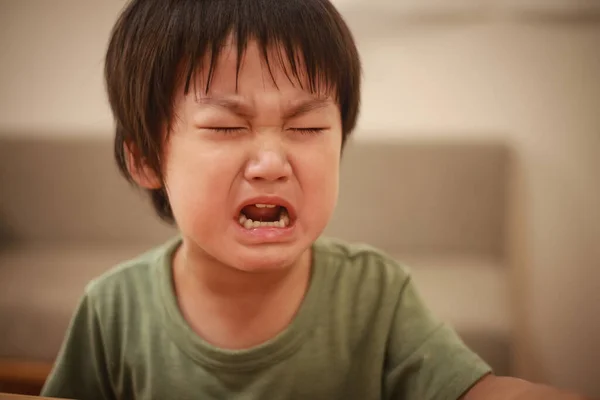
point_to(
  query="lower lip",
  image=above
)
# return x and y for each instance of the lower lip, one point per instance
(266, 234)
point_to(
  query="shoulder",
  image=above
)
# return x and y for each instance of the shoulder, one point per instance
(359, 261)
(362, 287)
(358, 271)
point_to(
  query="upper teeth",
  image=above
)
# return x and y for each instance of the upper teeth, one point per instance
(265, 205)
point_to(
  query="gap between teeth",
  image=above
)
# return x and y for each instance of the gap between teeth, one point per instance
(284, 221)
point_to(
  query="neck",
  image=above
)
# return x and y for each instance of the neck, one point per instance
(235, 309)
(204, 274)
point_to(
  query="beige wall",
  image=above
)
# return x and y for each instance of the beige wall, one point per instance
(51, 68)
(535, 84)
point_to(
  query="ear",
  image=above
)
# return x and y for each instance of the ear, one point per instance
(141, 173)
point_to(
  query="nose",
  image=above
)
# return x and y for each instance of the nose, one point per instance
(268, 163)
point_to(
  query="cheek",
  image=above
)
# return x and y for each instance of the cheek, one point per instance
(319, 178)
(330, 180)
(198, 182)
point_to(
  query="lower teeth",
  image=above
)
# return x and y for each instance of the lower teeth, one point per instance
(284, 221)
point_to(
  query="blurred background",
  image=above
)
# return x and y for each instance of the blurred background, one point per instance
(477, 154)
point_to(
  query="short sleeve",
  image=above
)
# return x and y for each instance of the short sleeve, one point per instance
(80, 370)
(426, 360)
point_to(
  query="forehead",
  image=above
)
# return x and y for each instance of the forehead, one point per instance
(253, 70)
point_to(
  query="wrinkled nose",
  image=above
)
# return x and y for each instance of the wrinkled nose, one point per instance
(269, 164)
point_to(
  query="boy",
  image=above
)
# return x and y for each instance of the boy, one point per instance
(232, 114)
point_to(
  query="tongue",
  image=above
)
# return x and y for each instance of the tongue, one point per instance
(262, 214)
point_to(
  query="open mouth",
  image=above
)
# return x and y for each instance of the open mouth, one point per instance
(264, 216)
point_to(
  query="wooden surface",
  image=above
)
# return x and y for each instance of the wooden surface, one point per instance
(8, 396)
(22, 376)
(19, 371)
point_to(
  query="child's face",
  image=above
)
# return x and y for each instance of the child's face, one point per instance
(258, 145)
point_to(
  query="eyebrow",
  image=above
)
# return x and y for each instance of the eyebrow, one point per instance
(244, 110)
(305, 107)
(236, 106)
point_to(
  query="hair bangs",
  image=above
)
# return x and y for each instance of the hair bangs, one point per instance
(290, 36)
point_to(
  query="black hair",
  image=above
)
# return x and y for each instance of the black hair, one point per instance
(156, 47)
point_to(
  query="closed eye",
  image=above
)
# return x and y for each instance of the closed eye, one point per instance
(227, 130)
(303, 131)
(308, 131)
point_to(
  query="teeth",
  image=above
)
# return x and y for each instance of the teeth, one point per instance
(284, 221)
(264, 205)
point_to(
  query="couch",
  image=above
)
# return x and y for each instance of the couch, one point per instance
(66, 216)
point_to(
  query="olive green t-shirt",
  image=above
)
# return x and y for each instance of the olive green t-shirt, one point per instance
(362, 332)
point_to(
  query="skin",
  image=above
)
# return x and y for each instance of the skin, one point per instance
(268, 138)
(228, 146)
(504, 388)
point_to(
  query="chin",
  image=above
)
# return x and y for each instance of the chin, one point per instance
(266, 260)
